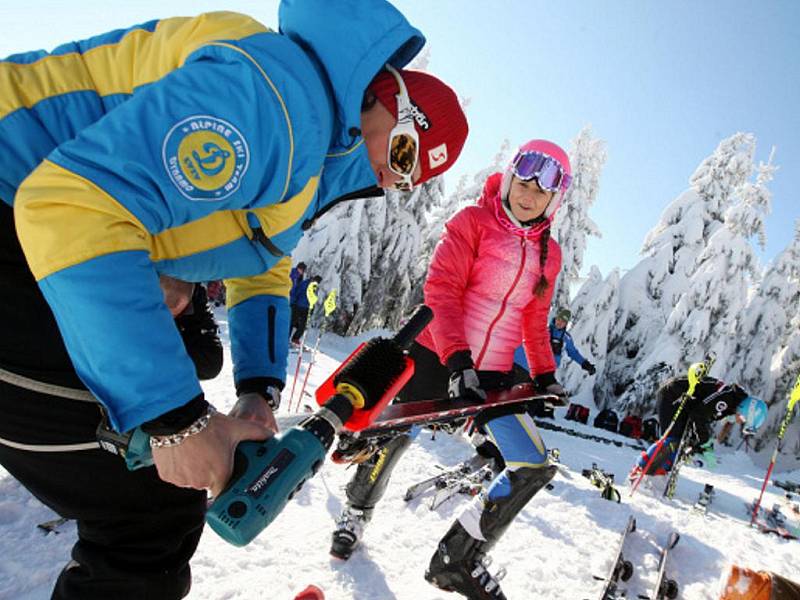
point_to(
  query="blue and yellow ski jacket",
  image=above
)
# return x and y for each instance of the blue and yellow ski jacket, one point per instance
(194, 147)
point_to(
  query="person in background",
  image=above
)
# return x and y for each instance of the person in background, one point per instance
(301, 307)
(713, 401)
(297, 273)
(560, 340)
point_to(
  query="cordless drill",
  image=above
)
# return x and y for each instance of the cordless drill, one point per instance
(267, 474)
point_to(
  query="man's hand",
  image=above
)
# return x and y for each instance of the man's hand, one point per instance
(177, 293)
(588, 367)
(205, 460)
(252, 406)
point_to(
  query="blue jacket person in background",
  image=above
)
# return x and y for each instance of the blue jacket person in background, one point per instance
(301, 307)
(297, 273)
(199, 148)
(561, 340)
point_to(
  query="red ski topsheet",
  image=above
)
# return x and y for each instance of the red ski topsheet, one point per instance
(450, 409)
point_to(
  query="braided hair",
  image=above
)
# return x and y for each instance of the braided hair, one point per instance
(544, 243)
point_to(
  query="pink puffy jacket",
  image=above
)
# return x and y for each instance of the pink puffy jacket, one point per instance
(480, 286)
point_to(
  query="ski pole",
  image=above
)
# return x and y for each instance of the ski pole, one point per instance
(329, 305)
(311, 294)
(695, 374)
(793, 398)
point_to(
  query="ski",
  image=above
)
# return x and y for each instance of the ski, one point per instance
(53, 526)
(772, 521)
(789, 486)
(621, 569)
(777, 530)
(447, 410)
(470, 485)
(681, 457)
(664, 587)
(399, 418)
(704, 500)
(446, 475)
(604, 481)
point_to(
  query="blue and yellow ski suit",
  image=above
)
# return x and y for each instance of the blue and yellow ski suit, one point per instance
(194, 147)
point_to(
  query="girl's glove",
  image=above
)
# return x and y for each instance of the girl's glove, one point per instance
(464, 382)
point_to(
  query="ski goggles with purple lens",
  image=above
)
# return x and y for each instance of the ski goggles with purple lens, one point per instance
(544, 168)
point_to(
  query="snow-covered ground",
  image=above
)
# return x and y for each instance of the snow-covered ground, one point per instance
(552, 550)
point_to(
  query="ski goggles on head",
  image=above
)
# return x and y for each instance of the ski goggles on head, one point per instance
(544, 168)
(403, 147)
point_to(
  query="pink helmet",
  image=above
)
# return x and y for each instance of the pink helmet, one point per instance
(548, 149)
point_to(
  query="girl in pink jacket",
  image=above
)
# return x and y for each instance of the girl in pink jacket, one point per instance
(489, 284)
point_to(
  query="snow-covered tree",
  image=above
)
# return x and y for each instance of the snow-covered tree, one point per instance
(637, 360)
(338, 248)
(781, 316)
(368, 250)
(397, 229)
(592, 309)
(706, 317)
(572, 224)
(467, 192)
(765, 326)
(785, 369)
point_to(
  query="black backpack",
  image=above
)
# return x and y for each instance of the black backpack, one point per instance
(607, 419)
(543, 410)
(651, 430)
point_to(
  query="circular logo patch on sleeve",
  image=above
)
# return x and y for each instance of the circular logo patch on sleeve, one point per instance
(205, 157)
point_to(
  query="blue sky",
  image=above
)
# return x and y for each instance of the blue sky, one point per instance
(661, 82)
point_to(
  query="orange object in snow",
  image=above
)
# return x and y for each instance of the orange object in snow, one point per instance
(746, 584)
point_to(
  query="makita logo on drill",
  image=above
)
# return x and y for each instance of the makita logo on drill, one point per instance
(271, 472)
(261, 482)
(420, 117)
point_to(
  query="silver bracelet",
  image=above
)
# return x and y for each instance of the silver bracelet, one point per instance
(176, 439)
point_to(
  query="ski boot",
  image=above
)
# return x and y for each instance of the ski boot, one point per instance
(364, 491)
(460, 562)
(460, 565)
(348, 532)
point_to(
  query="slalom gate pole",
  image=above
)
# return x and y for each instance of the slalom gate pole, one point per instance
(311, 294)
(793, 398)
(329, 306)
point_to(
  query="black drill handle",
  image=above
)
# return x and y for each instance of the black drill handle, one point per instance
(409, 332)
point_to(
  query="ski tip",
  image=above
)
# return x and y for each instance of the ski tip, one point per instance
(311, 592)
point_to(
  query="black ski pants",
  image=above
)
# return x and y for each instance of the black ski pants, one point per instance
(299, 319)
(136, 533)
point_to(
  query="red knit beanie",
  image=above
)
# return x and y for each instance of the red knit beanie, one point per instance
(440, 122)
